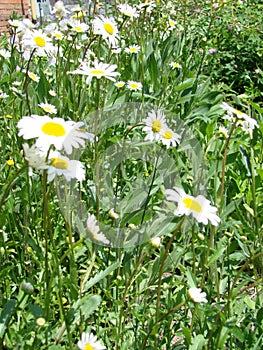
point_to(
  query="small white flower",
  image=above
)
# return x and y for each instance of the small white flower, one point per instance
(35, 157)
(175, 65)
(5, 53)
(98, 71)
(59, 10)
(197, 295)
(3, 95)
(63, 166)
(77, 26)
(107, 28)
(48, 108)
(128, 10)
(169, 138)
(198, 206)
(172, 24)
(52, 93)
(155, 124)
(89, 342)
(245, 121)
(93, 230)
(155, 242)
(134, 85)
(113, 215)
(33, 76)
(133, 49)
(119, 84)
(223, 131)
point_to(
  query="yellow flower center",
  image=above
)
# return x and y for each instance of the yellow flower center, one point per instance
(59, 163)
(88, 347)
(238, 112)
(32, 76)
(156, 126)
(192, 204)
(109, 28)
(58, 35)
(134, 85)
(78, 29)
(133, 49)
(47, 109)
(97, 72)
(53, 129)
(40, 41)
(167, 135)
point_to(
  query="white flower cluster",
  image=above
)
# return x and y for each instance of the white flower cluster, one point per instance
(53, 133)
(157, 129)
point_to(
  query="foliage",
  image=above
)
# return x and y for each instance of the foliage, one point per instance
(56, 283)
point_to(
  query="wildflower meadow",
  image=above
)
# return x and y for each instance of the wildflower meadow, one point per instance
(131, 193)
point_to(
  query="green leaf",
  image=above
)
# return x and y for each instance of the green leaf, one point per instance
(6, 315)
(218, 252)
(101, 275)
(187, 334)
(198, 342)
(86, 306)
(250, 303)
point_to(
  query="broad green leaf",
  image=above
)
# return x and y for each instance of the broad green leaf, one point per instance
(6, 315)
(198, 342)
(101, 275)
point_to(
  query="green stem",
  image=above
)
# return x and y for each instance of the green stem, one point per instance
(10, 184)
(139, 262)
(177, 307)
(167, 249)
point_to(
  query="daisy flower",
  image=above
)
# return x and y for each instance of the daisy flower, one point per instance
(132, 49)
(172, 24)
(52, 93)
(58, 132)
(63, 166)
(77, 26)
(89, 342)
(58, 35)
(245, 121)
(59, 10)
(155, 124)
(134, 85)
(48, 108)
(107, 28)
(93, 230)
(5, 53)
(39, 41)
(3, 95)
(198, 206)
(155, 242)
(98, 71)
(128, 10)
(197, 295)
(175, 65)
(35, 157)
(119, 84)
(169, 138)
(33, 76)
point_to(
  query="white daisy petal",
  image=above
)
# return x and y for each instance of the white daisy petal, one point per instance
(89, 341)
(198, 206)
(93, 230)
(197, 295)
(58, 132)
